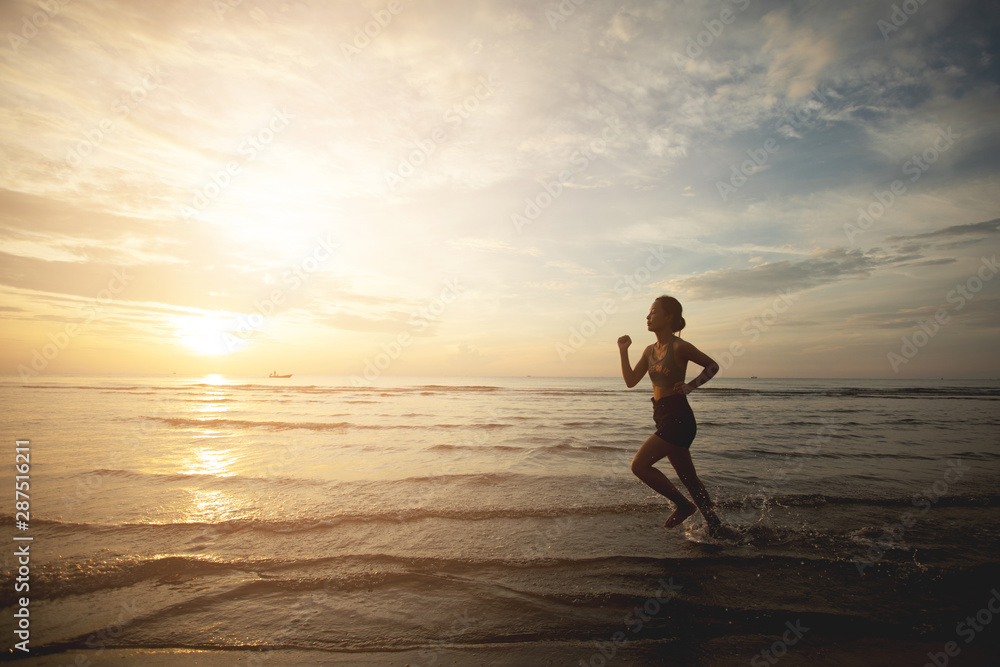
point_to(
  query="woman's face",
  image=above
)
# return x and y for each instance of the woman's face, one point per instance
(657, 319)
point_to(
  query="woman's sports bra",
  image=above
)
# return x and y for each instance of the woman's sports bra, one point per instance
(664, 371)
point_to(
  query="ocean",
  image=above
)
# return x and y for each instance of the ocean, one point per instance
(495, 521)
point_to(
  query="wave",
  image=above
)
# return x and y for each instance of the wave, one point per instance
(346, 572)
(756, 452)
(365, 571)
(313, 524)
(352, 572)
(556, 448)
(289, 389)
(613, 477)
(187, 422)
(97, 387)
(861, 392)
(405, 515)
(97, 575)
(831, 425)
(818, 499)
(512, 479)
(980, 391)
(334, 389)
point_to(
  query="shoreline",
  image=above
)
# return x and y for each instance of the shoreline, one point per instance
(817, 650)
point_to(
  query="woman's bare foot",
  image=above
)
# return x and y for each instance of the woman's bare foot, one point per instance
(680, 514)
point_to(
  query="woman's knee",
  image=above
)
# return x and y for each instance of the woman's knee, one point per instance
(639, 466)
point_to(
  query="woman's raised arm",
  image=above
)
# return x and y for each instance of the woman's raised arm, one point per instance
(632, 376)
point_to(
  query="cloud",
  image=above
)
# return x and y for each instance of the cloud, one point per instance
(554, 285)
(987, 227)
(952, 237)
(799, 54)
(821, 268)
(982, 311)
(933, 262)
(485, 244)
(570, 267)
(392, 322)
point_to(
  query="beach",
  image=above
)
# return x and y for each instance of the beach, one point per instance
(494, 521)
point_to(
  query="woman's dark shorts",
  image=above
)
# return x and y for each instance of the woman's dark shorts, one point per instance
(674, 420)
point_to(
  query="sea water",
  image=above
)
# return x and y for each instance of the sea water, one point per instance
(428, 512)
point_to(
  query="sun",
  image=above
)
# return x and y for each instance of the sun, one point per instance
(212, 334)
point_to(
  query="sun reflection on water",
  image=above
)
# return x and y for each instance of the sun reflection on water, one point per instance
(211, 507)
(206, 461)
(210, 407)
(212, 397)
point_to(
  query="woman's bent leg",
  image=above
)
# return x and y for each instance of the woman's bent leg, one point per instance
(680, 459)
(654, 449)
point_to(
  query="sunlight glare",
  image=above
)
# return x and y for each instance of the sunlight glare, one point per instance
(210, 334)
(210, 462)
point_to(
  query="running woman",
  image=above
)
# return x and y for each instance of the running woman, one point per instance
(666, 361)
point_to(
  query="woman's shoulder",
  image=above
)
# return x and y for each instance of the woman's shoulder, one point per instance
(682, 346)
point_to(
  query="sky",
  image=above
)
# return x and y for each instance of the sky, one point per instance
(498, 188)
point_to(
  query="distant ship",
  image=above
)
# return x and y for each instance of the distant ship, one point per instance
(753, 377)
(274, 374)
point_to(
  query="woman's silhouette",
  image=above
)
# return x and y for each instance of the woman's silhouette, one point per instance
(666, 362)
